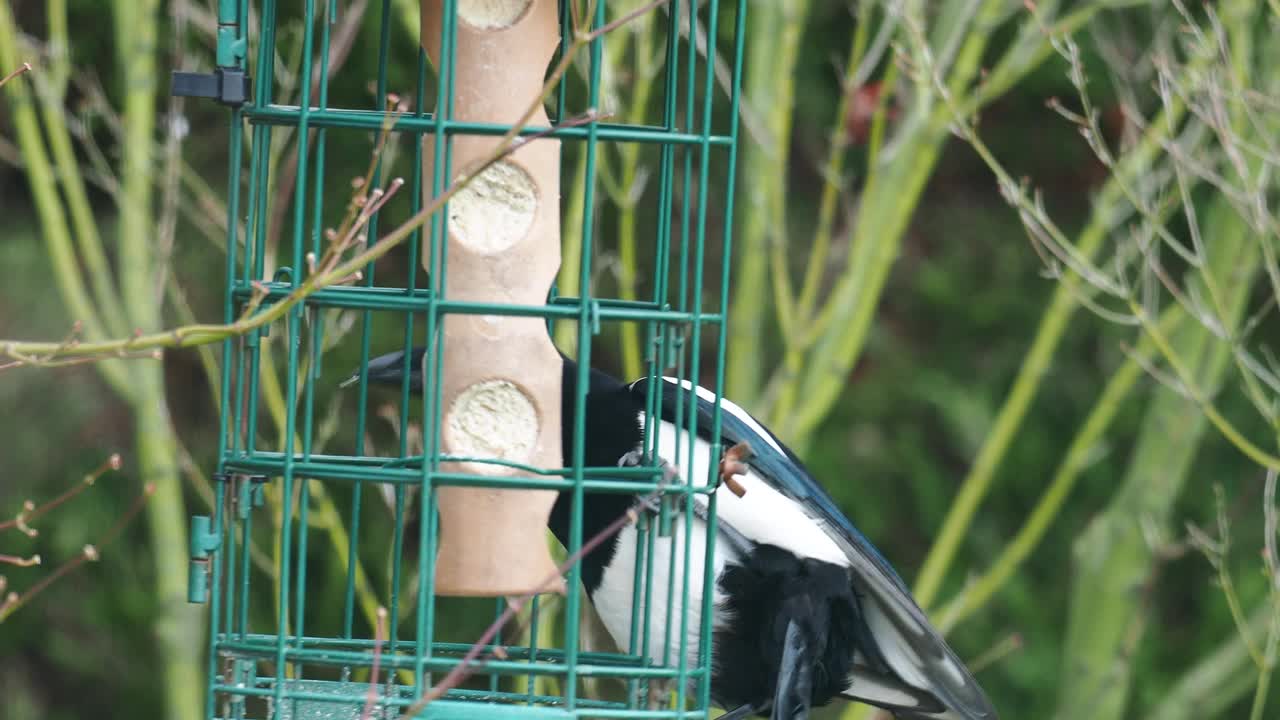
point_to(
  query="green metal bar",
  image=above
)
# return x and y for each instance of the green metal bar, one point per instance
(704, 158)
(246, 536)
(246, 416)
(259, 151)
(428, 124)
(226, 592)
(407, 477)
(690, 431)
(366, 318)
(739, 34)
(664, 529)
(566, 31)
(498, 609)
(315, 337)
(535, 613)
(370, 465)
(215, 599)
(263, 644)
(294, 325)
(410, 289)
(357, 697)
(259, 200)
(254, 249)
(388, 299)
(226, 554)
(605, 713)
(441, 154)
(660, 339)
(241, 608)
(462, 704)
(574, 593)
(353, 297)
(329, 657)
(235, 147)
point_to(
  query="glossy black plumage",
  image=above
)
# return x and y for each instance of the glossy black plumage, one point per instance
(767, 592)
(811, 611)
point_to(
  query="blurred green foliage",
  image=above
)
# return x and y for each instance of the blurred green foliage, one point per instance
(961, 305)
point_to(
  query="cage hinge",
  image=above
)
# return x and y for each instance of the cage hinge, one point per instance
(203, 542)
(227, 85)
(250, 493)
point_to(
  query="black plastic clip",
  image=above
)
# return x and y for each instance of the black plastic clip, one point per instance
(227, 85)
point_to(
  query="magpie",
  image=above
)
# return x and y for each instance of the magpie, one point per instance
(806, 609)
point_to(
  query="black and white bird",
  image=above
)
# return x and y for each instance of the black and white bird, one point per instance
(806, 609)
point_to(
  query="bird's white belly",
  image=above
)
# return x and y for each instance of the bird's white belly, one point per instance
(761, 514)
(661, 600)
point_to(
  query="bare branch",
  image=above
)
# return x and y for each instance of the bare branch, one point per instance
(23, 68)
(31, 512)
(91, 553)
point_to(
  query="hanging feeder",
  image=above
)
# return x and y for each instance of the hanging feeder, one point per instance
(500, 389)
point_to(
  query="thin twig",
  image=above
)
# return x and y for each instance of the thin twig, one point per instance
(19, 561)
(189, 335)
(23, 68)
(379, 633)
(341, 41)
(30, 512)
(619, 22)
(1009, 645)
(15, 601)
(1270, 528)
(464, 668)
(201, 334)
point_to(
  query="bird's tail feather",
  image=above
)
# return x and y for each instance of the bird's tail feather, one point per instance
(893, 695)
(795, 676)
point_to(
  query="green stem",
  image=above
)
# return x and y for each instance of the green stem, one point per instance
(1269, 661)
(976, 594)
(208, 360)
(833, 173)
(179, 630)
(179, 626)
(1115, 555)
(44, 191)
(324, 511)
(773, 35)
(890, 198)
(1035, 365)
(44, 353)
(566, 335)
(1198, 395)
(88, 239)
(645, 73)
(1217, 680)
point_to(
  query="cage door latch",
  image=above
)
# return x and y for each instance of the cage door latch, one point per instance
(227, 85)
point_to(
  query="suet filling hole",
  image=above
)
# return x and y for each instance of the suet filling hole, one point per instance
(492, 14)
(495, 210)
(493, 419)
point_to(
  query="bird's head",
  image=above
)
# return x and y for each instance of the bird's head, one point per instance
(389, 369)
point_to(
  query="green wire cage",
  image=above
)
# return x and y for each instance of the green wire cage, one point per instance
(301, 658)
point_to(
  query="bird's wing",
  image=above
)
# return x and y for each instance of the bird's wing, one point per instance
(909, 643)
(893, 695)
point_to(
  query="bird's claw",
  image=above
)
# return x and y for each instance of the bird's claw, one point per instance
(659, 690)
(636, 458)
(734, 464)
